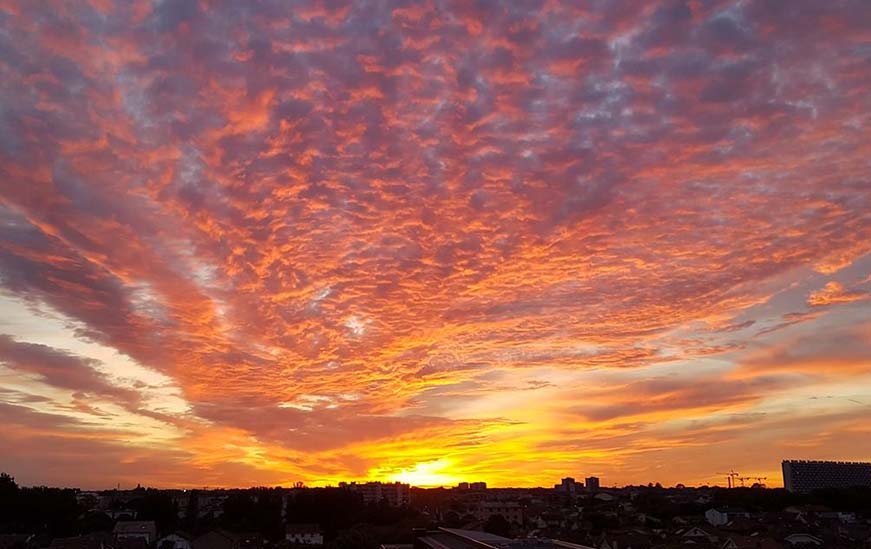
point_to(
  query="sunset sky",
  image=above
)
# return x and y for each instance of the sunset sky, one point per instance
(254, 243)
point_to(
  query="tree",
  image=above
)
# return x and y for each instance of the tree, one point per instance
(9, 501)
(158, 506)
(497, 524)
(452, 519)
(359, 537)
(7, 484)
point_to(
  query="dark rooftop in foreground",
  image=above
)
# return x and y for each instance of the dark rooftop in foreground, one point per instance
(453, 538)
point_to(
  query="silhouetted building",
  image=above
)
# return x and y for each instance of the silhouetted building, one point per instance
(178, 540)
(510, 511)
(463, 486)
(217, 539)
(95, 540)
(304, 534)
(477, 486)
(718, 516)
(396, 494)
(805, 476)
(142, 529)
(569, 486)
(592, 483)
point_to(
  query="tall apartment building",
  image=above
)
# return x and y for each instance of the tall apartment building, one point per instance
(805, 476)
(568, 485)
(592, 483)
(472, 486)
(396, 494)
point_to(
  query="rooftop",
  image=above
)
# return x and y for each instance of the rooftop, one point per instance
(135, 526)
(452, 538)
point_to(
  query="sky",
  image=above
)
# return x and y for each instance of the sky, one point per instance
(256, 243)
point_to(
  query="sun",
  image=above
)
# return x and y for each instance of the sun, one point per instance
(426, 474)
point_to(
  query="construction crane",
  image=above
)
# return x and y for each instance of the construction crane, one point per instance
(759, 480)
(730, 476)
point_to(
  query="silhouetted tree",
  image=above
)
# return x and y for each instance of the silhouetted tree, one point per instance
(359, 537)
(452, 519)
(52, 511)
(497, 524)
(96, 522)
(255, 510)
(333, 508)
(158, 506)
(192, 513)
(9, 496)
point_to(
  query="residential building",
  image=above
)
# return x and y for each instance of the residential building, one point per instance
(803, 540)
(95, 540)
(696, 535)
(453, 538)
(142, 529)
(178, 540)
(396, 494)
(569, 486)
(510, 511)
(592, 483)
(477, 486)
(724, 515)
(304, 534)
(806, 476)
(217, 539)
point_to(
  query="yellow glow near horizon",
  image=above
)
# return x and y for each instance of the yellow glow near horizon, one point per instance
(426, 475)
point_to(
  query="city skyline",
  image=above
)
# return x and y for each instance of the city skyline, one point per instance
(256, 243)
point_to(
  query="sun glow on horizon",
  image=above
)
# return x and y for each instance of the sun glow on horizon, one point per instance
(428, 474)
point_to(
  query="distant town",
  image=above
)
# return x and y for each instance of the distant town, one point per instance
(822, 504)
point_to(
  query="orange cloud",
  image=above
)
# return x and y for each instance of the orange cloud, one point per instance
(243, 245)
(834, 293)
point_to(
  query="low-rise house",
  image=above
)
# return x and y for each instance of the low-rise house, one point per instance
(736, 541)
(217, 539)
(15, 541)
(718, 516)
(130, 543)
(625, 540)
(304, 534)
(97, 540)
(696, 534)
(121, 514)
(803, 540)
(177, 540)
(141, 529)
(510, 511)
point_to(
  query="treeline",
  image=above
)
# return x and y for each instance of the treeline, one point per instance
(53, 511)
(856, 499)
(56, 512)
(659, 502)
(345, 520)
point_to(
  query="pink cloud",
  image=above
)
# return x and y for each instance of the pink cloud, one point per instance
(319, 222)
